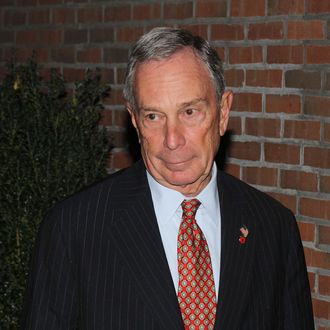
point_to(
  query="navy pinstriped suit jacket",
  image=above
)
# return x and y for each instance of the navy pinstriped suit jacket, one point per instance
(99, 263)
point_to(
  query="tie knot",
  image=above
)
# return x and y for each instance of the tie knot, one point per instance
(190, 207)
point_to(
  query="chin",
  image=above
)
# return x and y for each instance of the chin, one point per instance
(180, 180)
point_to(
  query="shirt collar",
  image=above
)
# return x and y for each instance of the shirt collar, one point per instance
(167, 201)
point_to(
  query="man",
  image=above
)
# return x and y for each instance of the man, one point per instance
(172, 242)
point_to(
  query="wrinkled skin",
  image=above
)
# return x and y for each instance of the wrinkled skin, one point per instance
(178, 120)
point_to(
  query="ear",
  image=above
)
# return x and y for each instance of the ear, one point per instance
(226, 102)
(133, 115)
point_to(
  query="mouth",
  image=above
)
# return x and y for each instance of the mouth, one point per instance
(177, 165)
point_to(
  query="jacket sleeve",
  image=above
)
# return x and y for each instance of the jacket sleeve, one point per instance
(51, 297)
(297, 306)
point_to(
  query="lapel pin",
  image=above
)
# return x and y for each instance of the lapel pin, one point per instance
(244, 234)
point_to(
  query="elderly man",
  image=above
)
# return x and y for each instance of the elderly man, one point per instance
(172, 242)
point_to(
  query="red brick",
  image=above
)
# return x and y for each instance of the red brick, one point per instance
(288, 201)
(285, 54)
(321, 308)
(303, 79)
(317, 6)
(306, 30)
(117, 13)
(316, 208)
(263, 127)
(311, 278)
(75, 36)
(245, 150)
(102, 35)
(234, 78)
(317, 106)
(8, 37)
(121, 118)
(235, 125)
(146, 12)
(315, 258)
(270, 30)
(285, 7)
(283, 103)
(107, 75)
(221, 53)
(247, 8)
(327, 84)
(27, 37)
(178, 10)
(282, 153)
(318, 54)
(116, 97)
(324, 285)
(121, 160)
(10, 2)
(49, 2)
(324, 236)
(92, 55)
(325, 184)
(39, 17)
(198, 29)
(264, 78)
(65, 55)
(106, 118)
(211, 8)
(121, 73)
(247, 102)
(23, 54)
(298, 180)
(90, 15)
(119, 139)
(227, 32)
(232, 169)
(317, 157)
(320, 327)
(307, 231)
(73, 74)
(248, 54)
(128, 34)
(302, 129)
(14, 18)
(50, 37)
(115, 55)
(260, 175)
(63, 15)
(327, 132)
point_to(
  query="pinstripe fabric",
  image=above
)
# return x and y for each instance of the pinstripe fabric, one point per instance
(99, 263)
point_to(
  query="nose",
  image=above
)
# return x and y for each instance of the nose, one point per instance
(174, 136)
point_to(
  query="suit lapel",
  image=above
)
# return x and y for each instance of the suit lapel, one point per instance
(135, 231)
(236, 258)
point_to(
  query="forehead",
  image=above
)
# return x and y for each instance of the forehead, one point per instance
(183, 75)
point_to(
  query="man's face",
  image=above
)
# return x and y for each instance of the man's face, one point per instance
(178, 121)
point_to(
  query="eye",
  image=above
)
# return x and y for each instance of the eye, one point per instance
(151, 116)
(190, 112)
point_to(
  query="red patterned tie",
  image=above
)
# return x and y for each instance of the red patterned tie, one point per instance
(196, 292)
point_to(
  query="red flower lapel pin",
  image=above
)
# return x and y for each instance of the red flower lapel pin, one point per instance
(244, 234)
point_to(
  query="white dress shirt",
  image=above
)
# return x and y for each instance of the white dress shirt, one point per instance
(167, 204)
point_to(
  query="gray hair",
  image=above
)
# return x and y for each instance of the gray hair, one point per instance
(161, 43)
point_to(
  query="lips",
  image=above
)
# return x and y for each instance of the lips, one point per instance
(177, 165)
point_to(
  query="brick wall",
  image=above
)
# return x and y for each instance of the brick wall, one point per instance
(276, 54)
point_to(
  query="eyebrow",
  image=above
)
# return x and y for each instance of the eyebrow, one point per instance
(193, 102)
(181, 105)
